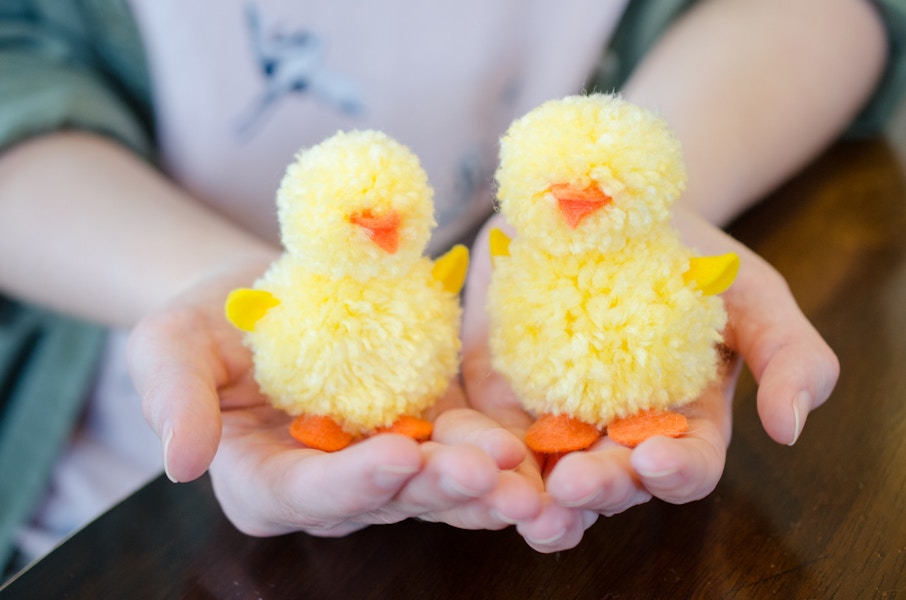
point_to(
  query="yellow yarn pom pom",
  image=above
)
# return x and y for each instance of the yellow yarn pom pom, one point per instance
(353, 326)
(591, 315)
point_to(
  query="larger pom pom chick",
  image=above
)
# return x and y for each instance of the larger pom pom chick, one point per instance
(600, 318)
(353, 331)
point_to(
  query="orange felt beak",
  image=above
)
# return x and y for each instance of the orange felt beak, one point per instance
(383, 229)
(576, 203)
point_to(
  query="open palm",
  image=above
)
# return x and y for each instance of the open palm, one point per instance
(195, 379)
(795, 368)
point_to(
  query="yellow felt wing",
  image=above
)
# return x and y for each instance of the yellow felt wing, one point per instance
(451, 268)
(499, 242)
(244, 307)
(712, 274)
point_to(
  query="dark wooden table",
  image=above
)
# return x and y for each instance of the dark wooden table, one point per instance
(824, 519)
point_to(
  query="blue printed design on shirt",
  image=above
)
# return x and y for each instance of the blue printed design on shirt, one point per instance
(293, 63)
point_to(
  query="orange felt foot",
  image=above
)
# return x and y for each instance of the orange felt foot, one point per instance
(553, 434)
(637, 428)
(417, 429)
(320, 433)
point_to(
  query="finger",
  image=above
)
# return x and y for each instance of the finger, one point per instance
(451, 476)
(512, 501)
(487, 391)
(177, 378)
(680, 470)
(601, 480)
(798, 377)
(516, 492)
(476, 322)
(688, 468)
(556, 528)
(267, 489)
(516, 499)
(795, 368)
(466, 426)
(610, 478)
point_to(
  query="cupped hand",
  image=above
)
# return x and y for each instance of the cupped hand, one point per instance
(794, 367)
(198, 393)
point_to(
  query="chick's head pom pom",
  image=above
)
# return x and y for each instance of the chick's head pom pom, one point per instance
(596, 141)
(348, 176)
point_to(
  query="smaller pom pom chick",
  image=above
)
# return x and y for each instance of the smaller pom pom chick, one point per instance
(600, 317)
(353, 331)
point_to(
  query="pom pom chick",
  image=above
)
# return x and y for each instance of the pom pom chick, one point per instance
(600, 317)
(353, 331)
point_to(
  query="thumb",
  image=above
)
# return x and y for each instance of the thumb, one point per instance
(795, 368)
(177, 378)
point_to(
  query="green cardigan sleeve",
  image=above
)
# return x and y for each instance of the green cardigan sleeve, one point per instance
(889, 93)
(47, 364)
(72, 65)
(63, 65)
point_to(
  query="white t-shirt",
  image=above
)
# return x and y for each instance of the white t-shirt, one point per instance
(240, 86)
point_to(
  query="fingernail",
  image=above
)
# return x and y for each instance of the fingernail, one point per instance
(582, 501)
(392, 476)
(496, 514)
(166, 438)
(451, 486)
(801, 404)
(549, 540)
(650, 471)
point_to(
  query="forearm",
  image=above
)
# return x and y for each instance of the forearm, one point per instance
(756, 88)
(89, 229)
